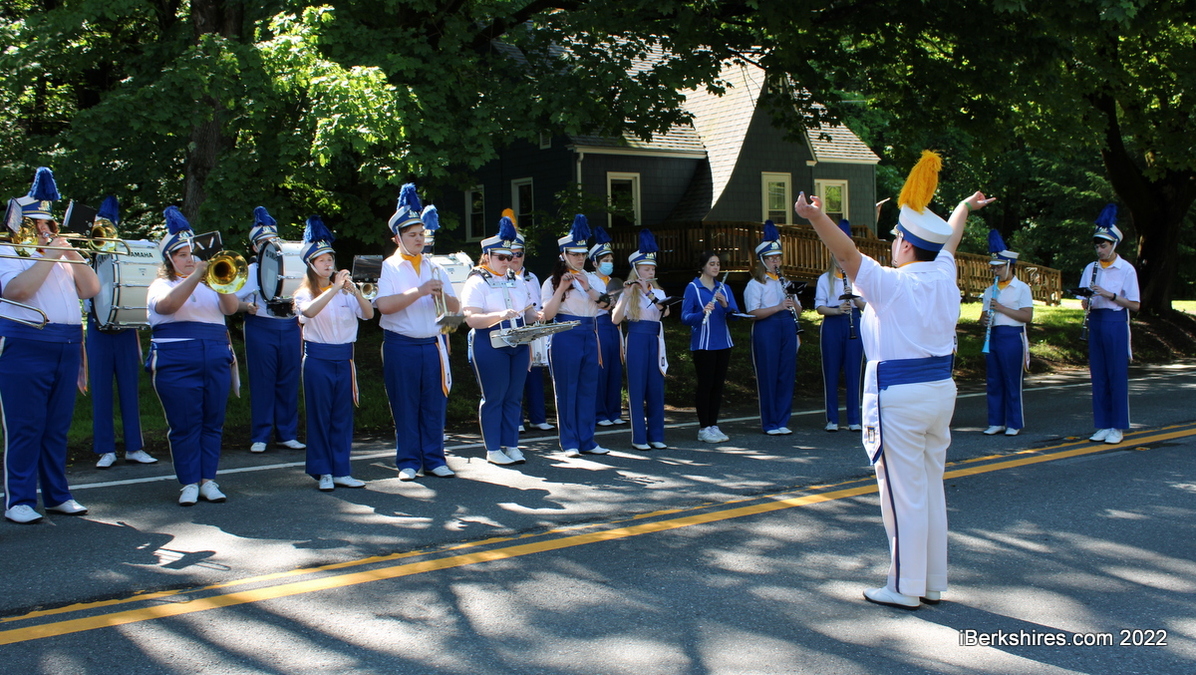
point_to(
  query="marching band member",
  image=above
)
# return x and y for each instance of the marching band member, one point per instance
(190, 361)
(774, 335)
(1008, 351)
(610, 338)
(494, 299)
(328, 307)
(908, 330)
(273, 350)
(1114, 284)
(40, 368)
(842, 350)
(704, 308)
(114, 354)
(646, 360)
(572, 295)
(414, 351)
(533, 388)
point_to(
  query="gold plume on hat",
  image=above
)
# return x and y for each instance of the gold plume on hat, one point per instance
(510, 213)
(923, 180)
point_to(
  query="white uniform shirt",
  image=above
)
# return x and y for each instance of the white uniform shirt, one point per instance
(203, 306)
(577, 301)
(57, 296)
(494, 294)
(336, 324)
(1120, 278)
(912, 310)
(649, 311)
(759, 295)
(828, 290)
(1016, 295)
(417, 320)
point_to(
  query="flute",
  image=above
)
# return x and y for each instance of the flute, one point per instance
(721, 284)
(992, 315)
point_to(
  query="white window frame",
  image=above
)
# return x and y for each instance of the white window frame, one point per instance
(611, 177)
(820, 190)
(767, 177)
(545, 140)
(520, 209)
(470, 234)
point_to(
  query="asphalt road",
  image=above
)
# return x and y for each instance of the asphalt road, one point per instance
(743, 558)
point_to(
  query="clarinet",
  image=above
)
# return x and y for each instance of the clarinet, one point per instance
(1088, 307)
(992, 315)
(785, 289)
(849, 297)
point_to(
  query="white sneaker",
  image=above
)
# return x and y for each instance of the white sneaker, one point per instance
(831, 426)
(521, 429)
(106, 460)
(1114, 437)
(719, 436)
(326, 483)
(605, 423)
(443, 471)
(705, 436)
(498, 457)
(774, 432)
(596, 450)
(883, 596)
(70, 507)
(572, 452)
(348, 481)
(1100, 435)
(641, 446)
(211, 492)
(784, 431)
(993, 430)
(293, 444)
(407, 474)
(855, 427)
(257, 447)
(189, 495)
(1012, 432)
(22, 513)
(658, 445)
(140, 457)
(543, 426)
(619, 421)
(515, 454)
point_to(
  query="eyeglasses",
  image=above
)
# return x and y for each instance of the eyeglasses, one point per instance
(502, 257)
(518, 255)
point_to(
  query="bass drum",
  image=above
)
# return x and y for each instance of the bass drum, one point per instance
(280, 270)
(457, 265)
(124, 285)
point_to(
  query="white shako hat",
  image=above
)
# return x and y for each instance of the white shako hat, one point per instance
(918, 224)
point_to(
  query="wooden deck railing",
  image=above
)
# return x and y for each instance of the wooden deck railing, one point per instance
(804, 255)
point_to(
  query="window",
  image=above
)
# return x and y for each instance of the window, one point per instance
(475, 214)
(777, 196)
(834, 198)
(545, 140)
(623, 194)
(522, 201)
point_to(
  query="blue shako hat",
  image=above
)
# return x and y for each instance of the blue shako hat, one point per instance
(42, 195)
(109, 210)
(646, 255)
(264, 225)
(845, 226)
(178, 231)
(317, 240)
(998, 250)
(577, 241)
(1106, 225)
(430, 217)
(504, 241)
(408, 211)
(601, 243)
(771, 244)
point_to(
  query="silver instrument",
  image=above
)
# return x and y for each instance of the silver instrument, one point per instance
(513, 337)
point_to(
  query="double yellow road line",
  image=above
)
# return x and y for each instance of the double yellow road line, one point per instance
(105, 614)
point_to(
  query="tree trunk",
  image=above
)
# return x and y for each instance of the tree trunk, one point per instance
(1158, 239)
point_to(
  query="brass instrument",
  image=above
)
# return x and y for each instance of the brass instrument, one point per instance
(27, 239)
(447, 322)
(227, 272)
(368, 290)
(26, 322)
(103, 239)
(366, 270)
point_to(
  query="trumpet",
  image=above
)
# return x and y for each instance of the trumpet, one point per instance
(368, 290)
(32, 323)
(103, 239)
(227, 272)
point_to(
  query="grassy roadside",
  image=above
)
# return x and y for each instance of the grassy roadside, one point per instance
(1053, 336)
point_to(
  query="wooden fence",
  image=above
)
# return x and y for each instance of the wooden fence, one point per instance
(804, 255)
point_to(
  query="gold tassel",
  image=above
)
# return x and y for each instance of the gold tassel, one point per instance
(922, 182)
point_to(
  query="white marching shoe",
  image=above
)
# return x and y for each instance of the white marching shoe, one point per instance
(106, 460)
(407, 474)
(443, 471)
(1100, 435)
(831, 426)
(1012, 432)
(257, 447)
(70, 508)
(994, 430)
(498, 457)
(1114, 437)
(326, 483)
(293, 444)
(211, 492)
(23, 514)
(515, 454)
(884, 596)
(348, 481)
(189, 495)
(140, 457)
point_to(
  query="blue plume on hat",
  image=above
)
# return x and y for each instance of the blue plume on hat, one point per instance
(409, 198)
(109, 210)
(995, 243)
(770, 231)
(647, 242)
(175, 220)
(845, 226)
(506, 229)
(1107, 217)
(262, 217)
(581, 228)
(315, 230)
(600, 236)
(44, 188)
(431, 218)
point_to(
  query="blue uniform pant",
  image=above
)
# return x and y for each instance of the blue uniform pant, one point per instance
(192, 379)
(113, 356)
(328, 399)
(273, 350)
(501, 373)
(38, 380)
(774, 358)
(841, 355)
(1109, 365)
(533, 396)
(573, 359)
(609, 396)
(645, 382)
(1005, 358)
(411, 369)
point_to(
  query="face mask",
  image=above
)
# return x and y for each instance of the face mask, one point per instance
(606, 268)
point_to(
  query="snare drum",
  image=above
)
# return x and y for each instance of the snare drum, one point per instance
(457, 266)
(124, 285)
(280, 269)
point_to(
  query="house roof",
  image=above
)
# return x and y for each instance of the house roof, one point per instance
(839, 144)
(681, 138)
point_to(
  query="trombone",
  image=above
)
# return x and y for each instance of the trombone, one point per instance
(32, 323)
(103, 239)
